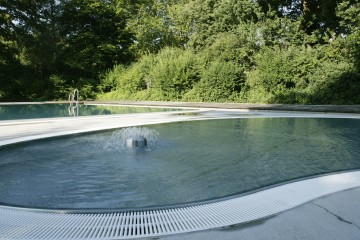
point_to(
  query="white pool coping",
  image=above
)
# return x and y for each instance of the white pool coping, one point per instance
(22, 223)
(17, 223)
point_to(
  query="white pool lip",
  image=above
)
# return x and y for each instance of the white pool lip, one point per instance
(21, 223)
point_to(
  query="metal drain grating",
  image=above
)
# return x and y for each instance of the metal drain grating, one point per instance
(17, 223)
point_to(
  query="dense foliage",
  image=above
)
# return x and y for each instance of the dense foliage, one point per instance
(50, 46)
(289, 51)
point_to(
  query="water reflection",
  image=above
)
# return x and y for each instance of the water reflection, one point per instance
(31, 111)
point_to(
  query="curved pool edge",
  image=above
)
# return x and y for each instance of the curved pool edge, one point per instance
(20, 223)
(16, 131)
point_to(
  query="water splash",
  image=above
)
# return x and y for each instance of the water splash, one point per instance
(119, 138)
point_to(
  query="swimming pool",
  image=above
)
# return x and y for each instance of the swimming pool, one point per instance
(190, 162)
(55, 110)
(330, 133)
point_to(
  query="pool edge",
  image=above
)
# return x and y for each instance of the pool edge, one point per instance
(154, 223)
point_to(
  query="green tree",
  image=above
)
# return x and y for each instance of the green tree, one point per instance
(159, 24)
(212, 17)
(348, 13)
(62, 43)
(32, 27)
(289, 8)
(7, 53)
(94, 36)
(33, 23)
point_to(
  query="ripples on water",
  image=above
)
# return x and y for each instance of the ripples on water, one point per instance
(185, 162)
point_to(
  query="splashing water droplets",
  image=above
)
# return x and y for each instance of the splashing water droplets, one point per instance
(132, 138)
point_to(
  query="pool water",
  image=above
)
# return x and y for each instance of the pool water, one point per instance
(31, 111)
(189, 162)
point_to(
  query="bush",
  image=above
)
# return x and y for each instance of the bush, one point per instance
(174, 73)
(58, 89)
(220, 81)
(237, 67)
(167, 75)
(318, 75)
(238, 47)
(109, 81)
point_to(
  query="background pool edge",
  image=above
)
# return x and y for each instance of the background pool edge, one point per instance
(56, 110)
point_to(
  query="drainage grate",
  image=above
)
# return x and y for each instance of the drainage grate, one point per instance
(17, 223)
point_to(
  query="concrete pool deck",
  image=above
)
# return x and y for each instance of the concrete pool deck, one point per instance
(335, 216)
(13, 131)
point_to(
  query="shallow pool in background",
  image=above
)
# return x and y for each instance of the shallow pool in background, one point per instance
(33, 111)
(190, 162)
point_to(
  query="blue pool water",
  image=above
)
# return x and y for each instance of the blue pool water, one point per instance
(189, 162)
(31, 111)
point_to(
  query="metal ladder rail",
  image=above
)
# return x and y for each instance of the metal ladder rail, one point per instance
(74, 99)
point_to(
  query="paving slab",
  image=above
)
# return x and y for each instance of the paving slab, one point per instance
(332, 217)
(24, 130)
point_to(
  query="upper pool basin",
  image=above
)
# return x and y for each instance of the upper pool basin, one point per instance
(53, 110)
